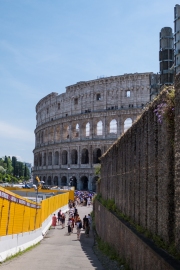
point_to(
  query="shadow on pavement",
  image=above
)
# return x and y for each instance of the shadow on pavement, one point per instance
(87, 244)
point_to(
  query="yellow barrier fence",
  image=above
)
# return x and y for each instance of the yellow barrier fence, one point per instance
(18, 215)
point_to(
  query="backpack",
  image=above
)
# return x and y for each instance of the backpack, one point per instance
(80, 225)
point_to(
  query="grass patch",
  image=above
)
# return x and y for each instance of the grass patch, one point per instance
(111, 253)
(158, 241)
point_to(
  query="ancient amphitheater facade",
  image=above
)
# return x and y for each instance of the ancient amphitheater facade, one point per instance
(76, 127)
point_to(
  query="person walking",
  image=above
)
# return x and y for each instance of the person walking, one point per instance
(54, 221)
(79, 227)
(87, 227)
(63, 220)
(69, 226)
(59, 217)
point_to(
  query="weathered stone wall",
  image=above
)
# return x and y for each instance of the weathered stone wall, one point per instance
(139, 252)
(138, 173)
(177, 161)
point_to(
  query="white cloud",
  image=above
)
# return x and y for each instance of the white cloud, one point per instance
(9, 131)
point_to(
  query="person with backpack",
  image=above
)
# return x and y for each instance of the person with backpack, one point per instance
(63, 220)
(59, 217)
(79, 227)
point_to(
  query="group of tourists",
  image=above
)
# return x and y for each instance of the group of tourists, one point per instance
(83, 198)
(74, 220)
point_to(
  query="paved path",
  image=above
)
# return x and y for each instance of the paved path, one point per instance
(58, 250)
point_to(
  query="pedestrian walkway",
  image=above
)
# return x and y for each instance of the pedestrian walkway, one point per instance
(58, 250)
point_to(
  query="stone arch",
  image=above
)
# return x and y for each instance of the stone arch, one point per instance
(64, 157)
(113, 126)
(44, 159)
(50, 158)
(94, 181)
(44, 179)
(66, 131)
(73, 181)
(75, 130)
(57, 134)
(64, 181)
(51, 134)
(36, 160)
(87, 129)
(56, 180)
(49, 181)
(74, 156)
(56, 158)
(127, 124)
(40, 159)
(84, 156)
(96, 155)
(99, 128)
(84, 183)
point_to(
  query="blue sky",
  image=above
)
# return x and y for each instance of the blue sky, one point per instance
(46, 45)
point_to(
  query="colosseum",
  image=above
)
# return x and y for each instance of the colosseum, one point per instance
(76, 127)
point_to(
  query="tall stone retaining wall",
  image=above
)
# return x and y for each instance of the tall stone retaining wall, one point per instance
(138, 172)
(139, 252)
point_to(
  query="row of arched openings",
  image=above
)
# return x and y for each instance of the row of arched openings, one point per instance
(43, 159)
(64, 182)
(48, 135)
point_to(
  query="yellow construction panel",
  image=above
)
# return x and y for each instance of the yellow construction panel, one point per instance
(4, 216)
(18, 218)
(11, 218)
(26, 219)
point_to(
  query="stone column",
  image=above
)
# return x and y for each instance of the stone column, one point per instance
(90, 155)
(177, 161)
(104, 127)
(79, 156)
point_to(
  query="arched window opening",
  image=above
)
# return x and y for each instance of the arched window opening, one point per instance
(49, 181)
(64, 157)
(51, 134)
(44, 179)
(57, 137)
(128, 93)
(77, 130)
(56, 158)
(99, 128)
(84, 183)
(87, 129)
(44, 159)
(40, 159)
(67, 131)
(74, 156)
(50, 158)
(84, 156)
(127, 124)
(55, 180)
(98, 97)
(96, 155)
(64, 181)
(36, 160)
(113, 126)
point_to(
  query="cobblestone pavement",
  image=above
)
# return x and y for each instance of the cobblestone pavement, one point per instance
(58, 250)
